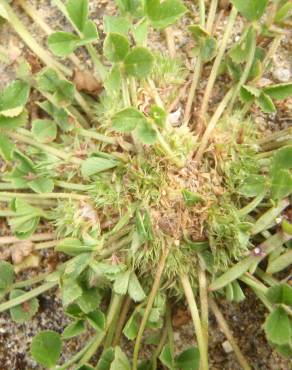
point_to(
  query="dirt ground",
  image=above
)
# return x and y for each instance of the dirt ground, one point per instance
(245, 319)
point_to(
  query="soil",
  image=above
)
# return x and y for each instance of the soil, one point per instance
(246, 318)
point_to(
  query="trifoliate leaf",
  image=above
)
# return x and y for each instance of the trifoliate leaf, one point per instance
(93, 165)
(252, 10)
(280, 91)
(46, 348)
(127, 119)
(44, 130)
(74, 329)
(62, 43)
(278, 327)
(166, 13)
(24, 311)
(116, 47)
(78, 12)
(139, 62)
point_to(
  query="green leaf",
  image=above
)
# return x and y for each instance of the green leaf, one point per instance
(122, 282)
(6, 275)
(278, 327)
(146, 133)
(42, 185)
(249, 93)
(285, 350)
(188, 359)
(281, 184)
(166, 357)
(252, 186)
(232, 274)
(6, 148)
(116, 47)
(120, 361)
(13, 122)
(252, 10)
(14, 96)
(135, 289)
(280, 91)
(89, 35)
(106, 359)
(139, 62)
(208, 49)
(266, 103)
(131, 328)
(190, 198)
(44, 130)
(127, 119)
(84, 367)
(46, 348)
(166, 13)
(59, 115)
(282, 159)
(73, 247)
(112, 82)
(74, 329)
(134, 7)
(116, 24)
(78, 12)
(280, 263)
(140, 32)
(24, 311)
(239, 53)
(62, 43)
(93, 165)
(97, 320)
(77, 265)
(280, 293)
(284, 12)
(70, 291)
(198, 32)
(158, 115)
(89, 300)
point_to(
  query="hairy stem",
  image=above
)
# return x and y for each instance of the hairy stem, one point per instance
(151, 298)
(196, 321)
(218, 60)
(203, 288)
(225, 328)
(34, 238)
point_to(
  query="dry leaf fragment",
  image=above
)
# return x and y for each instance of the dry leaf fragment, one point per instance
(21, 250)
(85, 81)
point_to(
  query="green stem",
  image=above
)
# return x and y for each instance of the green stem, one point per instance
(211, 16)
(96, 136)
(27, 296)
(170, 330)
(159, 348)
(4, 240)
(246, 71)
(7, 195)
(167, 150)
(100, 68)
(114, 308)
(253, 204)
(122, 319)
(151, 298)
(212, 124)
(72, 186)
(227, 332)
(202, 13)
(7, 213)
(218, 60)
(196, 321)
(203, 288)
(29, 282)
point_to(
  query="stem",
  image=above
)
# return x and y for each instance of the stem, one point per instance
(196, 321)
(27, 296)
(101, 70)
(7, 213)
(225, 328)
(72, 186)
(122, 319)
(29, 282)
(246, 71)
(167, 150)
(151, 298)
(253, 204)
(8, 195)
(96, 136)
(211, 15)
(169, 330)
(211, 126)
(34, 238)
(203, 287)
(217, 62)
(48, 244)
(202, 12)
(159, 348)
(112, 312)
(170, 41)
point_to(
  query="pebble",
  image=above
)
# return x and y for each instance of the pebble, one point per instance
(227, 347)
(282, 74)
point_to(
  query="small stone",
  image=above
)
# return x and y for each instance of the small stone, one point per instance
(227, 347)
(282, 74)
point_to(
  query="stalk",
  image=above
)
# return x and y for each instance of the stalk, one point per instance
(211, 15)
(218, 60)
(112, 313)
(122, 320)
(203, 288)
(151, 298)
(27, 296)
(7, 213)
(245, 73)
(72, 186)
(253, 204)
(212, 124)
(101, 70)
(48, 244)
(167, 150)
(7, 196)
(170, 42)
(225, 328)
(96, 136)
(34, 238)
(169, 329)
(196, 321)
(159, 348)
(29, 282)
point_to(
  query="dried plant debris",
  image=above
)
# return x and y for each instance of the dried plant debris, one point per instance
(156, 186)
